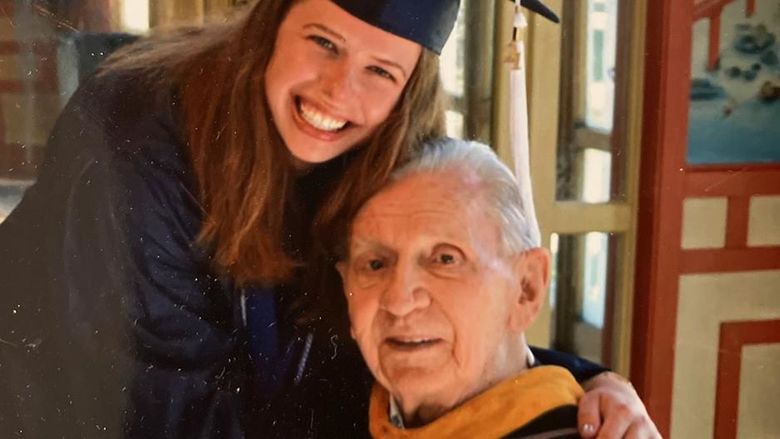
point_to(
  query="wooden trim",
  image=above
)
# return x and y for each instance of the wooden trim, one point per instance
(500, 141)
(618, 142)
(737, 222)
(733, 167)
(8, 47)
(7, 8)
(91, 15)
(566, 101)
(736, 182)
(728, 260)
(218, 6)
(7, 86)
(635, 16)
(667, 87)
(40, 86)
(166, 13)
(543, 71)
(614, 246)
(479, 20)
(585, 137)
(733, 336)
(714, 49)
(604, 217)
(39, 47)
(709, 8)
(750, 8)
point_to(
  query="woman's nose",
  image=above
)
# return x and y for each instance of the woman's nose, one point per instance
(338, 81)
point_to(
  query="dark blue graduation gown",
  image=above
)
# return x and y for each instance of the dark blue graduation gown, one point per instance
(113, 323)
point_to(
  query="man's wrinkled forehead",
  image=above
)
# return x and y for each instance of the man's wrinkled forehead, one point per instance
(452, 188)
(428, 201)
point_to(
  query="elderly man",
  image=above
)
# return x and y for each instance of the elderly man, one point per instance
(443, 276)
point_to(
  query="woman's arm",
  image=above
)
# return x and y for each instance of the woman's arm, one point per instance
(128, 333)
(582, 369)
(611, 408)
(187, 369)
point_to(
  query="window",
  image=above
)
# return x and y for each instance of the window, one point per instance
(135, 16)
(46, 47)
(587, 146)
(467, 73)
(584, 196)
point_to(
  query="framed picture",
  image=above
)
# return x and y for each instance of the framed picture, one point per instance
(734, 115)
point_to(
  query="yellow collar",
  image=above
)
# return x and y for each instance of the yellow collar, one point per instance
(494, 413)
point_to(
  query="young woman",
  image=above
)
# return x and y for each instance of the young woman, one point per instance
(167, 274)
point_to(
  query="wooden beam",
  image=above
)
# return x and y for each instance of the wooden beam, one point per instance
(165, 13)
(218, 6)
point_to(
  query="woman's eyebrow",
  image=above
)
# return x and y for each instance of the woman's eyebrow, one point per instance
(325, 29)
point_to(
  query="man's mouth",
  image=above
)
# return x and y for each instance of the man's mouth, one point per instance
(411, 343)
(319, 120)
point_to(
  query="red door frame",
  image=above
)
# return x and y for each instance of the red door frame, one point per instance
(664, 133)
(665, 181)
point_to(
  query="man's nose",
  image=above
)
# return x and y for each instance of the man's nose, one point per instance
(406, 292)
(338, 80)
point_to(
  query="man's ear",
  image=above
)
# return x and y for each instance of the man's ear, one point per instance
(533, 274)
(341, 267)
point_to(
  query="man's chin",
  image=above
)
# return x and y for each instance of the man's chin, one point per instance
(414, 387)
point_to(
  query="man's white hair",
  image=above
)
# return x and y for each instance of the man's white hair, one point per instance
(502, 195)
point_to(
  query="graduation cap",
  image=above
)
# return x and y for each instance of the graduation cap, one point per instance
(426, 22)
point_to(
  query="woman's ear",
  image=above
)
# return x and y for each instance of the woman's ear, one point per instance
(533, 274)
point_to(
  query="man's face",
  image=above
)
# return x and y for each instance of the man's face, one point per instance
(430, 293)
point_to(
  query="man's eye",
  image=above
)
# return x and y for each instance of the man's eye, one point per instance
(376, 265)
(323, 42)
(381, 72)
(446, 258)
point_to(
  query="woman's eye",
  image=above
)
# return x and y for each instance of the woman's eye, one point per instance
(323, 42)
(381, 72)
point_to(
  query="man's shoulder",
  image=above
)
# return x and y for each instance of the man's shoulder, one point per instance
(560, 422)
(543, 403)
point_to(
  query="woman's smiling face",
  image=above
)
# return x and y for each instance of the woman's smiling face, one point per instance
(333, 79)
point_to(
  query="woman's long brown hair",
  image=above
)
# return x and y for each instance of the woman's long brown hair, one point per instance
(240, 163)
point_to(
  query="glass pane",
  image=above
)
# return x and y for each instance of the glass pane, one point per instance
(601, 38)
(135, 16)
(454, 124)
(452, 57)
(452, 73)
(581, 291)
(587, 146)
(597, 173)
(10, 194)
(47, 48)
(466, 71)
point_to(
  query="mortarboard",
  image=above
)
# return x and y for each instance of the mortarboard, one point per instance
(426, 22)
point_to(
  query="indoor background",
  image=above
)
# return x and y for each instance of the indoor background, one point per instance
(655, 155)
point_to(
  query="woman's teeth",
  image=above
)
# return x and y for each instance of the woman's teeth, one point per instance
(320, 120)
